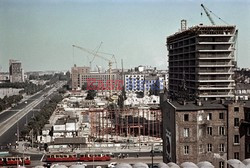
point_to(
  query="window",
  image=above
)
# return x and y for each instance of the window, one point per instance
(186, 150)
(186, 132)
(209, 116)
(209, 147)
(236, 155)
(248, 131)
(236, 139)
(221, 130)
(221, 164)
(248, 148)
(221, 148)
(186, 117)
(221, 116)
(236, 109)
(248, 115)
(201, 150)
(209, 130)
(236, 122)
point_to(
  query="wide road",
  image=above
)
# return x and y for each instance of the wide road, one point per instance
(20, 115)
(104, 164)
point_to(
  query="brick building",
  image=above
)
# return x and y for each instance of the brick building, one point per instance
(213, 131)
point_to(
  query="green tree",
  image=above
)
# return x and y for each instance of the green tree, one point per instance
(91, 95)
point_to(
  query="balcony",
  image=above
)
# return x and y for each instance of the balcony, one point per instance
(215, 88)
(214, 42)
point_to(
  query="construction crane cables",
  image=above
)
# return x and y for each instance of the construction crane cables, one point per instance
(209, 16)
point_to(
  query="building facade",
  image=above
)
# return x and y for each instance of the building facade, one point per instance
(15, 71)
(144, 79)
(76, 75)
(213, 131)
(201, 62)
(81, 76)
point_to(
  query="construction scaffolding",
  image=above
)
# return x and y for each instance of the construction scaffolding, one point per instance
(108, 125)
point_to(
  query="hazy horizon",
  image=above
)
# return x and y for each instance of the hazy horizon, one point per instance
(41, 33)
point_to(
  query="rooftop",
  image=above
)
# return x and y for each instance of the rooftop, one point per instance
(192, 105)
(203, 29)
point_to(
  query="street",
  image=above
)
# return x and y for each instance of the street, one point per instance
(20, 115)
(129, 160)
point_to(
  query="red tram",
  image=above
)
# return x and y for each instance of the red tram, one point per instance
(60, 157)
(94, 157)
(11, 160)
(73, 157)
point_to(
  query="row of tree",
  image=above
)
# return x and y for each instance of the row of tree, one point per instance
(28, 87)
(41, 118)
(6, 102)
(61, 76)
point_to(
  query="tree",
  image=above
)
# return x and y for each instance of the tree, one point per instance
(91, 95)
(122, 97)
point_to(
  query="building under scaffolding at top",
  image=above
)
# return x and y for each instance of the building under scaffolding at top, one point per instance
(201, 62)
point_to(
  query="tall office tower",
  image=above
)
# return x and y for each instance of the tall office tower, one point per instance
(15, 71)
(201, 62)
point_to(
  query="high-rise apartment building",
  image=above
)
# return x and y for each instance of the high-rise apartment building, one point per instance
(201, 62)
(16, 71)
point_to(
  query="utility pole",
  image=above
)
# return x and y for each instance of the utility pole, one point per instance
(152, 154)
(17, 131)
(23, 155)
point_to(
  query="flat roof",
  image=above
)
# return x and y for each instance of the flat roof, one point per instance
(192, 106)
(201, 29)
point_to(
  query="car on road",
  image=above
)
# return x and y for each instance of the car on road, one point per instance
(112, 164)
(157, 150)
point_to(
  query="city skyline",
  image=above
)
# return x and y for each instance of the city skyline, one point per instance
(40, 33)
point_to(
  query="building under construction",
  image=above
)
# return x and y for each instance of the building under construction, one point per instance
(202, 61)
(129, 122)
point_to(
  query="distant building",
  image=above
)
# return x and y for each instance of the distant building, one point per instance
(81, 75)
(15, 71)
(76, 76)
(144, 79)
(201, 62)
(4, 76)
(242, 91)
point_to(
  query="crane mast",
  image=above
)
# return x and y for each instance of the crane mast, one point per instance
(208, 15)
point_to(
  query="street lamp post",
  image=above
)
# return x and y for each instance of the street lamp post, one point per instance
(93, 154)
(152, 154)
(23, 155)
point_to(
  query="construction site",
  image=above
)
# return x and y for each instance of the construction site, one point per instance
(140, 122)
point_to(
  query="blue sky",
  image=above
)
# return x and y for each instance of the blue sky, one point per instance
(40, 33)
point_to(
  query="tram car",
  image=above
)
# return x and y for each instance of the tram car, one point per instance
(94, 157)
(73, 157)
(12, 160)
(61, 157)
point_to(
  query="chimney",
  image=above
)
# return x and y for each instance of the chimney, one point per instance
(183, 25)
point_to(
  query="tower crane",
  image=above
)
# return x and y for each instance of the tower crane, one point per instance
(99, 56)
(113, 57)
(95, 51)
(209, 16)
